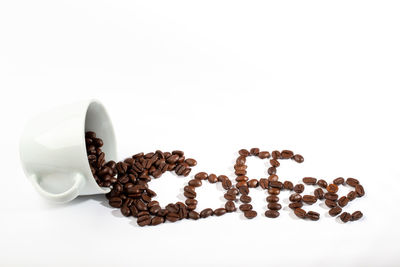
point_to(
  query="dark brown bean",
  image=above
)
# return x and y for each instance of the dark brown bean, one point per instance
(194, 215)
(319, 193)
(360, 190)
(206, 213)
(309, 199)
(241, 160)
(144, 220)
(322, 183)
(250, 214)
(271, 170)
(230, 206)
(219, 212)
(295, 205)
(330, 203)
(212, 178)
(309, 180)
(276, 184)
(115, 202)
(233, 191)
(352, 182)
(295, 197)
(242, 178)
(125, 210)
(338, 181)
(172, 159)
(245, 207)
(272, 214)
(195, 182)
(274, 163)
(276, 154)
(331, 196)
(264, 155)
(300, 213)
(264, 183)
(287, 154)
(274, 206)
(229, 196)
(288, 185)
(189, 194)
(352, 195)
(356, 215)
(298, 188)
(244, 190)
(245, 199)
(312, 215)
(244, 152)
(272, 199)
(191, 162)
(254, 151)
(172, 217)
(345, 217)
(157, 220)
(273, 178)
(335, 211)
(274, 191)
(343, 201)
(201, 176)
(298, 158)
(253, 183)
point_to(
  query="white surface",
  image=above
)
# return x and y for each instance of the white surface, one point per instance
(208, 77)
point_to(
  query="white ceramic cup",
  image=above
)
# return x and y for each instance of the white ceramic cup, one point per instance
(53, 150)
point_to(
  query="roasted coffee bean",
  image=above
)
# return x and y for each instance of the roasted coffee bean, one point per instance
(191, 162)
(245, 207)
(274, 191)
(250, 214)
(242, 178)
(125, 211)
(271, 199)
(276, 184)
(335, 211)
(300, 213)
(172, 159)
(162, 213)
(312, 215)
(240, 172)
(194, 215)
(229, 196)
(241, 160)
(245, 199)
(287, 154)
(356, 215)
(134, 210)
(298, 188)
(274, 163)
(172, 217)
(115, 202)
(172, 208)
(244, 152)
(322, 183)
(345, 217)
(141, 206)
(288, 185)
(352, 182)
(295, 197)
(298, 158)
(240, 167)
(264, 183)
(273, 178)
(144, 220)
(274, 206)
(264, 155)
(212, 178)
(276, 154)
(219, 212)
(271, 170)
(206, 213)
(226, 184)
(155, 209)
(332, 188)
(330, 203)
(152, 204)
(295, 205)
(157, 220)
(201, 176)
(338, 181)
(222, 178)
(343, 201)
(360, 190)
(254, 151)
(352, 195)
(230, 206)
(189, 189)
(319, 193)
(309, 199)
(309, 180)
(244, 190)
(272, 213)
(331, 196)
(253, 183)
(195, 182)
(233, 191)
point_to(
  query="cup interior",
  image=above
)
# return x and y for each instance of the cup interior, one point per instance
(98, 121)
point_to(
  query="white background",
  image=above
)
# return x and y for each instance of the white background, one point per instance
(209, 77)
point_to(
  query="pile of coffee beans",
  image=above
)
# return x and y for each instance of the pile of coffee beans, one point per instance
(130, 192)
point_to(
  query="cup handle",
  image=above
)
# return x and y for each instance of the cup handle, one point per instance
(65, 196)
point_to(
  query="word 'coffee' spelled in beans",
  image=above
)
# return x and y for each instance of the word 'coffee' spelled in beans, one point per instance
(129, 181)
